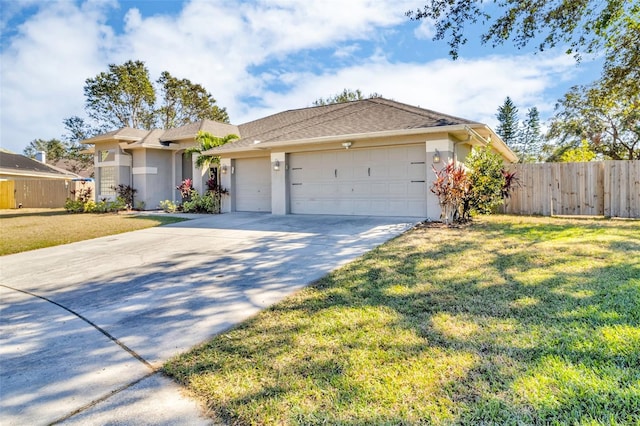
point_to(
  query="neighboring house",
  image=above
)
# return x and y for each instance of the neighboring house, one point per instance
(74, 166)
(29, 183)
(367, 157)
(18, 167)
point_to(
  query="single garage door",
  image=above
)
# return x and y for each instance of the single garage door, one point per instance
(253, 185)
(378, 182)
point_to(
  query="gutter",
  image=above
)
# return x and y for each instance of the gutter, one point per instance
(500, 146)
(340, 138)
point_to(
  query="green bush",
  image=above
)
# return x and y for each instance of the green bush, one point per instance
(168, 206)
(90, 206)
(207, 203)
(486, 180)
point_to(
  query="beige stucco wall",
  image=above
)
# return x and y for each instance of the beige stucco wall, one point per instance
(152, 176)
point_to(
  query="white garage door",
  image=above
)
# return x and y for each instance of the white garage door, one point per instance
(377, 182)
(253, 185)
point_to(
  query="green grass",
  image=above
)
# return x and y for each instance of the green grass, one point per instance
(510, 320)
(29, 229)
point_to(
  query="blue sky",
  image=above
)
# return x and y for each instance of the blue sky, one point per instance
(260, 57)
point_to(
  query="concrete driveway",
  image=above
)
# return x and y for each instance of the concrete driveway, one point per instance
(84, 327)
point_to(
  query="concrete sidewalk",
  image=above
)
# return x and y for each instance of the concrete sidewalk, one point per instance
(84, 327)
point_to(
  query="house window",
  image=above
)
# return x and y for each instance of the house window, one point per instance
(106, 155)
(107, 181)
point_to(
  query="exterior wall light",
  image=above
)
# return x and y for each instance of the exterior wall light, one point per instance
(276, 165)
(347, 144)
(224, 169)
(436, 157)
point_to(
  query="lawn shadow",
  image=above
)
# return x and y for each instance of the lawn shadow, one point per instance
(518, 337)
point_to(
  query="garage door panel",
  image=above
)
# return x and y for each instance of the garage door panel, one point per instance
(253, 184)
(375, 181)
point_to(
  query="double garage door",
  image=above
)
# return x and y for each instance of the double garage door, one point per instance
(376, 182)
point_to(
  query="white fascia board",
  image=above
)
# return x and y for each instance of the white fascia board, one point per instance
(341, 138)
(37, 175)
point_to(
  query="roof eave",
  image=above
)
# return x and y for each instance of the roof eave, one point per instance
(337, 138)
(37, 174)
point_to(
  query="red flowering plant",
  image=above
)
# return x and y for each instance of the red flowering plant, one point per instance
(185, 188)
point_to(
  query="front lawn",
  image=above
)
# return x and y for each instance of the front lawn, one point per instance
(511, 320)
(29, 229)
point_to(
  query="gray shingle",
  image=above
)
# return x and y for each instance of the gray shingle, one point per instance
(365, 116)
(190, 131)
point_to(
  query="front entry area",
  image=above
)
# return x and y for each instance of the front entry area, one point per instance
(388, 181)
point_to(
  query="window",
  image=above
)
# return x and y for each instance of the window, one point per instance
(107, 181)
(107, 155)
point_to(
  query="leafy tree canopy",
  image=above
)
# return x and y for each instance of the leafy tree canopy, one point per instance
(124, 96)
(121, 97)
(582, 26)
(578, 155)
(347, 95)
(610, 27)
(54, 149)
(183, 102)
(608, 120)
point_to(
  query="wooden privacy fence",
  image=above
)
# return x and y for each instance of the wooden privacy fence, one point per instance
(598, 188)
(37, 193)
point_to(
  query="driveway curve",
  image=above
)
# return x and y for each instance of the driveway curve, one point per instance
(84, 327)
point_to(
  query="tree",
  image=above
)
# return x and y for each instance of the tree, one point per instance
(508, 124)
(78, 130)
(54, 149)
(530, 137)
(583, 26)
(609, 120)
(621, 72)
(183, 102)
(578, 155)
(207, 141)
(121, 97)
(347, 95)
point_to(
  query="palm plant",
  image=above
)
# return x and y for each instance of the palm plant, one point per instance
(207, 141)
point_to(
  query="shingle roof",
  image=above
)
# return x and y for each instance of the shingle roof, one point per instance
(123, 133)
(19, 164)
(364, 116)
(190, 131)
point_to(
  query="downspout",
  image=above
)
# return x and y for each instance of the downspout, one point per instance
(470, 133)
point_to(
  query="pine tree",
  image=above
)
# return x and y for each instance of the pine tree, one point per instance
(531, 141)
(508, 128)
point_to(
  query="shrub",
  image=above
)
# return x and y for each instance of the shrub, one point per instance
(486, 180)
(451, 187)
(207, 203)
(168, 206)
(125, 193)
(480, 188)
(74, 206)
(186, 189)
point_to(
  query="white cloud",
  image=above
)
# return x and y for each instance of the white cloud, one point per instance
(220, 43)
(425, 31)
(346, 51)
(471, 89)
(44, 68)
